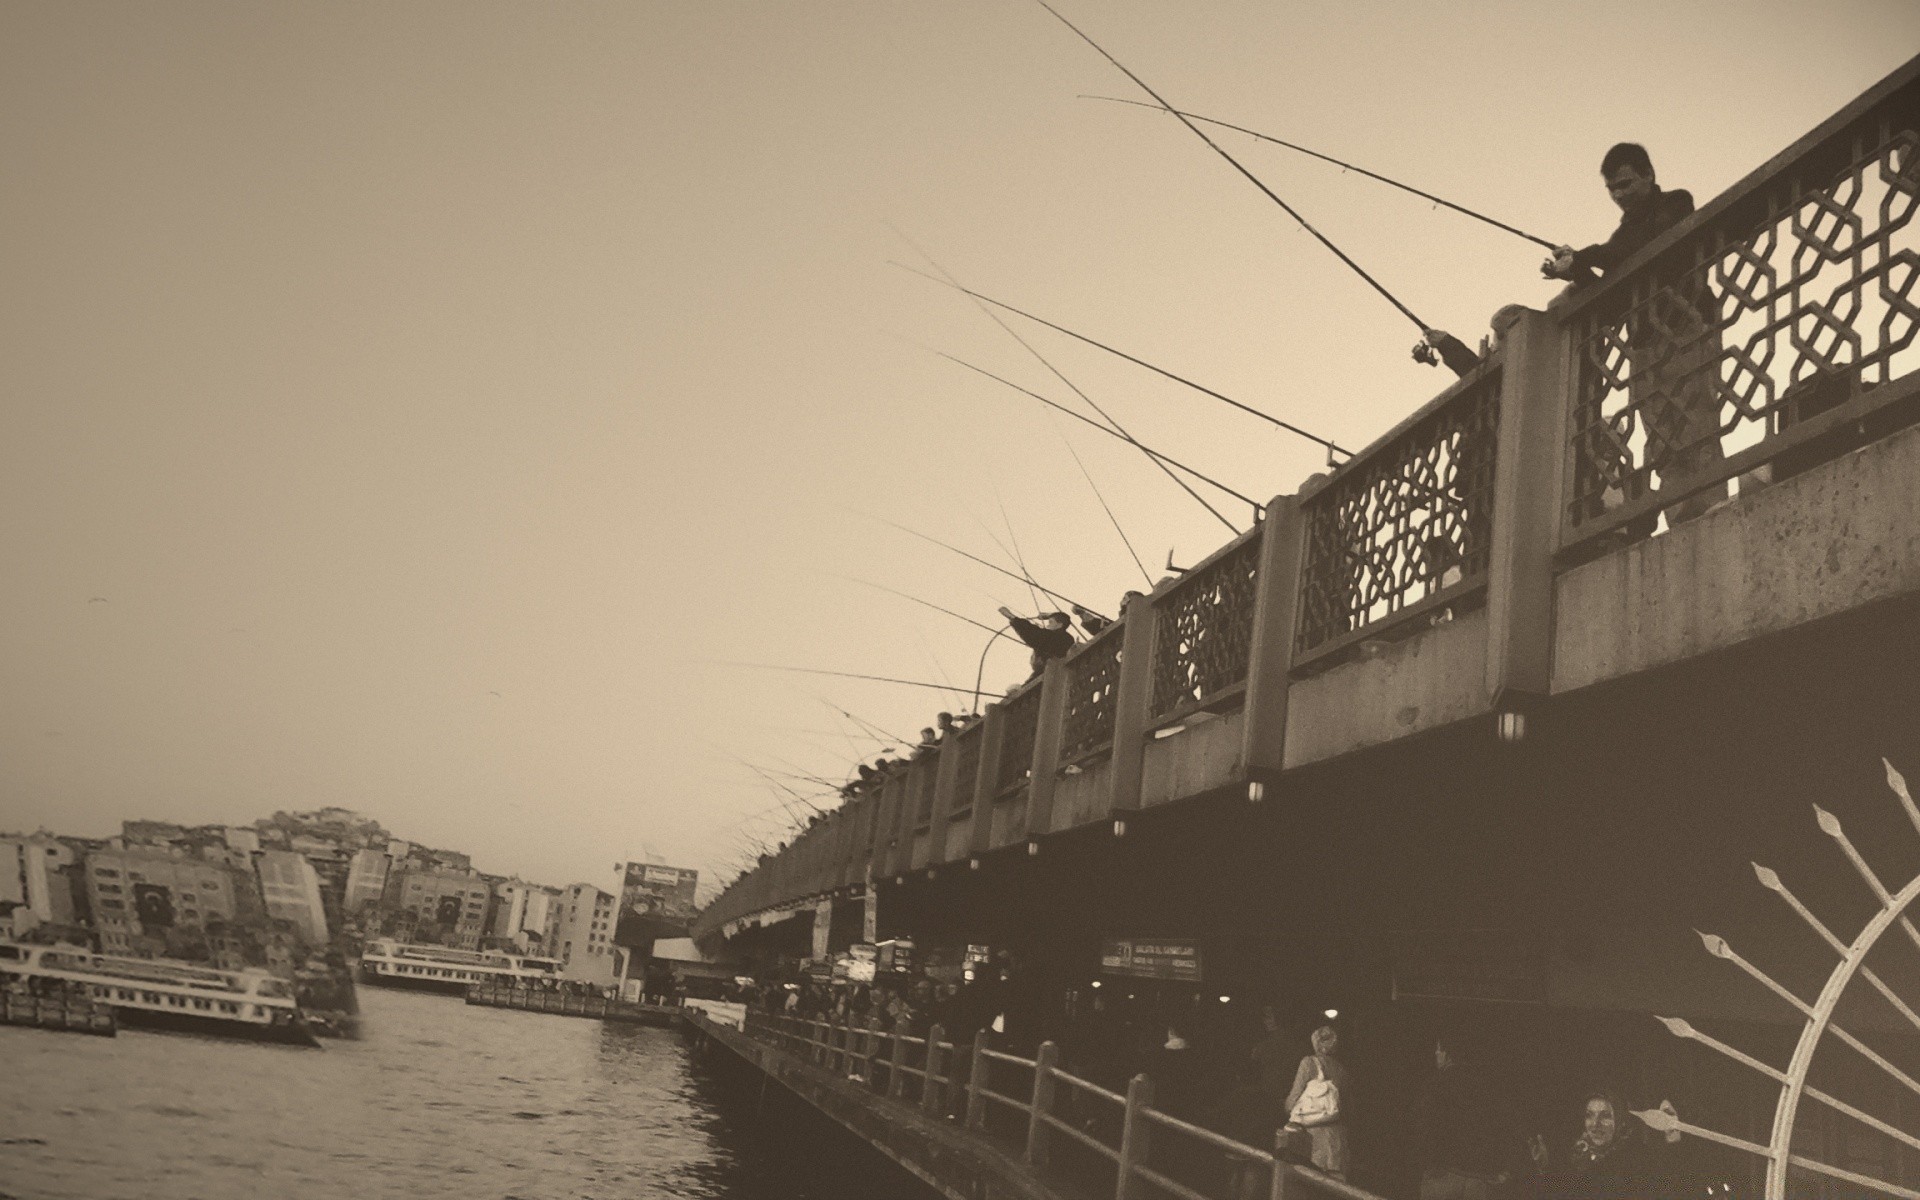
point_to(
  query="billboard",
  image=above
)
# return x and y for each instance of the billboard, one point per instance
(655, 902)
(1151, 959)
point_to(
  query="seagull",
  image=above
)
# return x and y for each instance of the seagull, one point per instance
(97, 600)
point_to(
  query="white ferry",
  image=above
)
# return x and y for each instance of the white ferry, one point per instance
(443, 969)
(163, 993)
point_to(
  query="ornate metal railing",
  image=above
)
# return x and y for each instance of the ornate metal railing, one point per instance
(1203, 627)
(1021, 717)
(1093, 679)
(1404, 525)
(966, 744)
(1761, 333)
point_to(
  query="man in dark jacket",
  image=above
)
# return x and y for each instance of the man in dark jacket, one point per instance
(1673, 340)
(1048, 635)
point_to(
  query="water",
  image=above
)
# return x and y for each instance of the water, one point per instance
(437, 1099)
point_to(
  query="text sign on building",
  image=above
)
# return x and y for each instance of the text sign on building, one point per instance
(1151, 959)
(651, 895)
(1498, 966)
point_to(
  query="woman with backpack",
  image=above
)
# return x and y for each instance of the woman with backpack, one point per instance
(1319, 1102)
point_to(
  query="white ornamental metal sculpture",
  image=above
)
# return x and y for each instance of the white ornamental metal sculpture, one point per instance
(1820, 1023)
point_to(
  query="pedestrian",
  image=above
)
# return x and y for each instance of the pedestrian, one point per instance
(1320, 1103)
(1610, 1160)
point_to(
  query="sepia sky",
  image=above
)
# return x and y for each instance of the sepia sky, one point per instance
(410, 406)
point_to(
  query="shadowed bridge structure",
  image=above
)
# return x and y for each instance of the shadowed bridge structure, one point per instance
(1463, 729)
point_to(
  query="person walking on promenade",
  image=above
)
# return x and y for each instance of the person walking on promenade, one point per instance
(1320, 1103)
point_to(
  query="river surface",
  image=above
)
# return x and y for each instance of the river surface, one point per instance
(436, 1099)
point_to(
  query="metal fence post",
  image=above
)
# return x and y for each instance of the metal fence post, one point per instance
(977, 1083)
(1135, 1131)
(930, 1084)
(896, 1076)
(1282, 1172)
(1043, 1087)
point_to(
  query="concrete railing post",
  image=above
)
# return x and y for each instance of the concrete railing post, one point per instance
(1043, 1088)
(1282, 1175)
(1056, 686)
(1132, 706)
(1529, 465)
(977, 1083)
(930, 1089)
(1270, 658)
(993, 726)
(1135, 1136)
(896, 1077)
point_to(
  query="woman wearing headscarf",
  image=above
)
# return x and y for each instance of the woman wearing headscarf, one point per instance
(1327, 1135)
(1611, 1160)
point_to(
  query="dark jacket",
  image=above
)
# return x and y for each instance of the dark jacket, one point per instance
(1464, 1124)
(1047, 643)
(1660, 213)
(1455, 354)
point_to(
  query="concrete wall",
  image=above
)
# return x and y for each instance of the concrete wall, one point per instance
(1840, 536)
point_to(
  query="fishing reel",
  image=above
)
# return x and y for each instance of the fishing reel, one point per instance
(1425, 354)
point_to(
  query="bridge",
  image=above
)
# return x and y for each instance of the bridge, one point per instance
(1466, 729)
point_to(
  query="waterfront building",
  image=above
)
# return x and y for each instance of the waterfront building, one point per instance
(366, 880)
(149, 901)
(422, 904)
(521, 914)
(290, 888)
(36, 883)
(582, 936)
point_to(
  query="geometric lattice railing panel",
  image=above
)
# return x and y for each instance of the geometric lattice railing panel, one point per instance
(1795, 299)
(1203, 627)
(1403, 521)
(1093, 677)
(1020, 723)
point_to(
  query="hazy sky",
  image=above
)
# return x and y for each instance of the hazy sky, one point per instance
(406, 405)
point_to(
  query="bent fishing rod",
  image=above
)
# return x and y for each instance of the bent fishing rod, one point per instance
(1066, 600)
(1030, 348)
(925, 604)
(1254, 133)
(1251, 177)
(938, 687)
(1331, 447)
(1142, 447)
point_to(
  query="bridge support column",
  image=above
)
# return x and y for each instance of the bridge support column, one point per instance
(1132, 706)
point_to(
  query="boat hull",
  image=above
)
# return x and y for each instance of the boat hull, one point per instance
(292, 1034)
(444, 987)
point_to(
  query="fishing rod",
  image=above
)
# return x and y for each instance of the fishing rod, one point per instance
(1331, 447)
(1251, 177)
(923, 603)
(938, 687)
(867, 727)
(1459, 208)
(1066, 600)
(1124, 539)
(1061, 376)
(1110, 433)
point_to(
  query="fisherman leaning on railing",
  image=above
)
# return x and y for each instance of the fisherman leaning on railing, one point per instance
(1671, 383)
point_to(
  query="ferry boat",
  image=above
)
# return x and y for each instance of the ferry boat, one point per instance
(388, 963)
(162, 993)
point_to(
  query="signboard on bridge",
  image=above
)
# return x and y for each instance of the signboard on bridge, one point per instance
(1151, 959)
